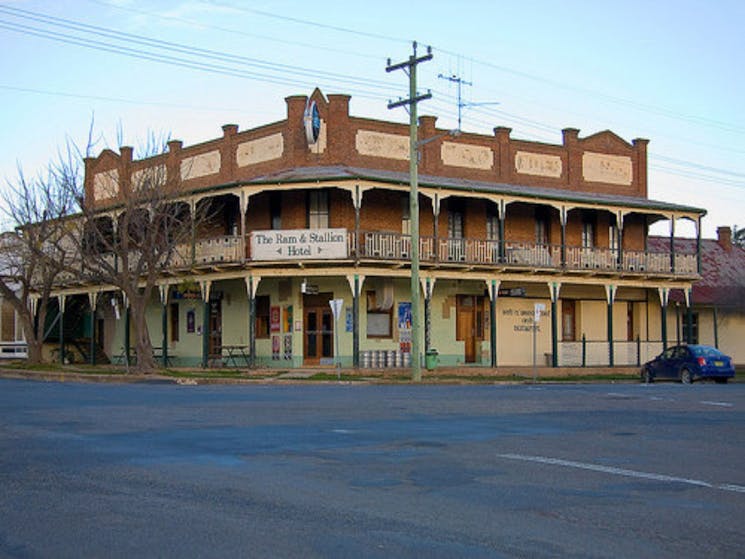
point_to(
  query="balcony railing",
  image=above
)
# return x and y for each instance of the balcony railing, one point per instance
(396, 247)
(482, 252)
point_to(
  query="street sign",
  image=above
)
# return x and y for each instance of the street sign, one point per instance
(336, 305)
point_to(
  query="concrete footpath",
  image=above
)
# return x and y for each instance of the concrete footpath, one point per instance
(456, 375)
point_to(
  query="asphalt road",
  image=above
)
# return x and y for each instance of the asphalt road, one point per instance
(145, 470)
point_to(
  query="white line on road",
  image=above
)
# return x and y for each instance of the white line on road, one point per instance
(722, 404)
(620, 471)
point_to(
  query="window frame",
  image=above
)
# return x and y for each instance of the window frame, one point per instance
(174, 313)
(262, 321)
(318, 214)
(371, 308)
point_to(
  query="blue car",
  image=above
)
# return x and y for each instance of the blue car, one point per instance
(687, 363)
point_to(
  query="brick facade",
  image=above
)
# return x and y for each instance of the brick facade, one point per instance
(246, 155)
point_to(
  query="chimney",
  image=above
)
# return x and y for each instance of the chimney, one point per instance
(724, 238)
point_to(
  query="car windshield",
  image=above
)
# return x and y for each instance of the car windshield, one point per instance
(706, 351)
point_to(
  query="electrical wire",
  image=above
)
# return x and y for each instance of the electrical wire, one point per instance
(182, 49)
(231, 31)
(280, 74)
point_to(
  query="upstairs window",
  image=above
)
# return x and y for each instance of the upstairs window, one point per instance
(541, 227)
(455, 221)
(275, 209)
(318, 209)
(588, 234)
(492, 226)
(613, 238)
(405, 215)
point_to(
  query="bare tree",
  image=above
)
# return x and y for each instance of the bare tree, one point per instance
(128, 235)
(33, 254)
(738, 236)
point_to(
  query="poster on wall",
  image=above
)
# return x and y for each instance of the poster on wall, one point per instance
(275, 348)
(287, 319)
(349, 321)
(287, 347)
(190, 321)
(404, 316)
(404, 327)
(274, 318)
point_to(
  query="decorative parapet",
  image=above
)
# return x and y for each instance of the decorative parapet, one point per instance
(260, 150)
(200, 165)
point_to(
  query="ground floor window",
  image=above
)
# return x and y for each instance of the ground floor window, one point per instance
(174, 312)
(568, 322)
(379, 319)
(263, 312)
(694, 328)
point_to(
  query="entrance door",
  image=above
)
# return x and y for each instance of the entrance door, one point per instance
(568, 322)
(318, 337)
(215, 340)
(470, 324)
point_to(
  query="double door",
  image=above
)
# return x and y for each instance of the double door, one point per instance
(318, 337)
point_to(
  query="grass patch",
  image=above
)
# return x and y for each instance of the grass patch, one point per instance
(57, 368)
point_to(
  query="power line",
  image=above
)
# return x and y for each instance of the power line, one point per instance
(238, 32)
(181, 62)
(314, 23)
(610, 98)
(268, 72)
(176, 47)
(119, 99)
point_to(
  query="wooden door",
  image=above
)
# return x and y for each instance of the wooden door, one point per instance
(215, 333)
(470, 324)
(318, 331)
(568, 320)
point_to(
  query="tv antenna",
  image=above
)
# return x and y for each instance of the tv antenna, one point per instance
(461, 82)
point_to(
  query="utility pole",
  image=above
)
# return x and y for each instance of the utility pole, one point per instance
(409, 66)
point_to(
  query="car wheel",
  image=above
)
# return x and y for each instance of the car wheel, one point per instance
(647, 377)
(685, 376)
(721, 380)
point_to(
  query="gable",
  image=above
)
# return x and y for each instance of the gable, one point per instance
(605, 141)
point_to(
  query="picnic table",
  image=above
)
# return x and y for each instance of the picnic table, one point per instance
(234, 354)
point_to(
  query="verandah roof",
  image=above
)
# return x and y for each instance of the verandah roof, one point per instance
(304, 174)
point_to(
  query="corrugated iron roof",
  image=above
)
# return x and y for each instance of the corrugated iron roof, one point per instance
(722, 280)
(342, 172)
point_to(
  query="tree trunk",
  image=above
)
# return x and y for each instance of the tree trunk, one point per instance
(145, 361)
(33, 351)
(34, 342)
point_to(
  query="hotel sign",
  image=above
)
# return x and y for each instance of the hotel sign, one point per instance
(299, 244)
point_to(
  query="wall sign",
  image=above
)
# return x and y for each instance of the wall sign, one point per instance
(274, 318)
(299, 244)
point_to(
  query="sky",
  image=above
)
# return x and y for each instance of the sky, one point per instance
(668, 71)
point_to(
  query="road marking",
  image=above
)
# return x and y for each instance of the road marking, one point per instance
(730, 487)
(621, 471)
(722, 404)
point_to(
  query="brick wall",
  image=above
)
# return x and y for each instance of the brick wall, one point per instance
(259, 152)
